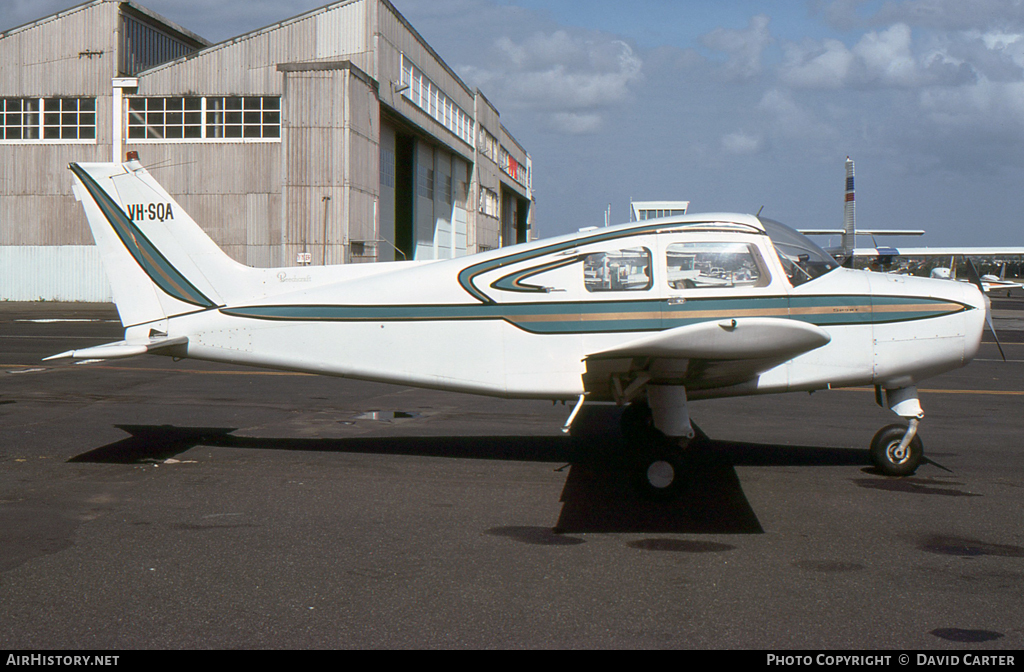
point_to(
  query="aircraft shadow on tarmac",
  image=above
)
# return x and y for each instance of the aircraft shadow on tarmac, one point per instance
(598, 495)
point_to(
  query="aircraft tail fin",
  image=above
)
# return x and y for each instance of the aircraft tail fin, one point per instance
(849, 212)
(159, 262)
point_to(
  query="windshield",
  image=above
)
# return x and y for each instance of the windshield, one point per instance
(800, 257)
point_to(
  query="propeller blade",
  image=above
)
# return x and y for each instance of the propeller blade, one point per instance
(988, 320)
(972, 272)
(973, 276)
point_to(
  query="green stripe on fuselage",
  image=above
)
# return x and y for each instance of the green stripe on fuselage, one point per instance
(593, 317)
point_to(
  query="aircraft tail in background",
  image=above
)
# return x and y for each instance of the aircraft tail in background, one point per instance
(848, 243)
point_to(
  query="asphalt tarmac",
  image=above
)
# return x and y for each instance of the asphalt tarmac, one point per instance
(152, 504)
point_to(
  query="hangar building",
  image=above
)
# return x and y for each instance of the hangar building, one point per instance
(336, 136)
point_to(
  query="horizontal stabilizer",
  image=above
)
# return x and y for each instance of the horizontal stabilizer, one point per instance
(890, 232)
(764, 338)
(122, 349)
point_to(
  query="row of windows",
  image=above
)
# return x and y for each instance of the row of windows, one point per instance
(513, 168)
(178, 118)
(658, 214)
(425, 95)
(48, 119)
(690, 266)
(204, 118)
(143, 46)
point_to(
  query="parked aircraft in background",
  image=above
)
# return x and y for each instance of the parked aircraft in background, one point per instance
(848, 249)
(885, 257)
(650, 315)
(990, 283)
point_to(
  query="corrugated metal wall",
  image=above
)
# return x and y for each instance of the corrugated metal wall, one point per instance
(314, 166)
(73, 53)
(45, 244)
(53, 273)
(331, 175)
(261, 201)
(248, 65)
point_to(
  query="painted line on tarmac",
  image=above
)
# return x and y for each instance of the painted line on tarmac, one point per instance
(17, 368)
(52, 320)
(1000, 393)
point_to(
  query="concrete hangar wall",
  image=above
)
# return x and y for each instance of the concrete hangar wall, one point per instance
(337, 136)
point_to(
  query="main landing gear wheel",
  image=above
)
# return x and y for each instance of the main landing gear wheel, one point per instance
(887, 456)
(659, 468)
(662, 474)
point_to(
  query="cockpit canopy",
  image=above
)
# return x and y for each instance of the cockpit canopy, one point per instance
(802, 259)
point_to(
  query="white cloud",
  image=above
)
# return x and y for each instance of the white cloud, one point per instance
(880, 59)
(886, 56)
(784, 114)
(741, 143)
(568, 78)
(988, 104)
(824, 66)
(743, 48)
(952, 14)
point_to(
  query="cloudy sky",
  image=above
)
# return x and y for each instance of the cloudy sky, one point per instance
(731, 105)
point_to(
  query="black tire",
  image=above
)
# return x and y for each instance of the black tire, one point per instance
(884, 453)
(663, 469)
(662, 475)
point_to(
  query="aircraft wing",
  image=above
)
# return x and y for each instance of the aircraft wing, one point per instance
(938, 251)
(863, 232)
(712, 354)
(122, 349)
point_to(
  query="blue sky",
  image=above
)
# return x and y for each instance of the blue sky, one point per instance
(731, 105)
(654, 23)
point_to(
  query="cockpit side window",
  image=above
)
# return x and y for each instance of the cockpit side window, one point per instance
(618, 270)
(704, 265)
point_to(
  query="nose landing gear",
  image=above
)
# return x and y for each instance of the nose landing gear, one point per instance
(896, 450)
(892, 454)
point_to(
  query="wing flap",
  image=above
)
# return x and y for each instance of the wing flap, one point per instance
(122, 349)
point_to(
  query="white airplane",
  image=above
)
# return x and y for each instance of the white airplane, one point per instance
(649, 314)
(989, 282)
